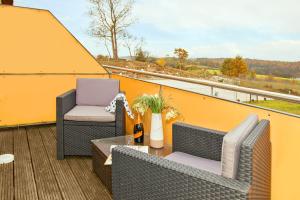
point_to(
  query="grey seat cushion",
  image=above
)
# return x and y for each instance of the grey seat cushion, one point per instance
(89, 114)
(232, 142)
(196, 162)
(96, 92)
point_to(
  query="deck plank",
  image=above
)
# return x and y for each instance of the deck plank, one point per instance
(89, 182)
(6, 170)
(25, 187)
(42, 170)
(36, 174)
(87, 179)
(53, 129)
(88, 163)
(66, 180)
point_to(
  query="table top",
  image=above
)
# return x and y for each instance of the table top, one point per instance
(104, 145)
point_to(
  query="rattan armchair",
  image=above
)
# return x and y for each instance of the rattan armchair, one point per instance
(73, 136)
(137, 175)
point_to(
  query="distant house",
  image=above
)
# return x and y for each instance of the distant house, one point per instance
(7, 2)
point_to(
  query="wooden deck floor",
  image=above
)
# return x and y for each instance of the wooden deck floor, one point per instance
(36, 174)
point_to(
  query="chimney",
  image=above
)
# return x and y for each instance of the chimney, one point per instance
(7, 2)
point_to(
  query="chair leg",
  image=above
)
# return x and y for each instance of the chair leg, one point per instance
(60, 142)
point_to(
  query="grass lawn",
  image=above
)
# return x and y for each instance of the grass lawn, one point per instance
(279, 105)
(286, 87)
(214, 71)
(276, 78)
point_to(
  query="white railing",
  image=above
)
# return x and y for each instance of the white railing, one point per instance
(212, 84)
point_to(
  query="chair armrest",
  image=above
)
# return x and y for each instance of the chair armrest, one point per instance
(197, 141)
(65, 102)
(136, 175)
(255, 161)
(120, 118)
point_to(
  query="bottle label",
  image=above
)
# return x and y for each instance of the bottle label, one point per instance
(138, 134)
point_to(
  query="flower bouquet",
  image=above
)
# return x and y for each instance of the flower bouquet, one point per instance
(157, 104)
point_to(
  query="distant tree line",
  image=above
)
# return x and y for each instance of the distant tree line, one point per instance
(275, 68)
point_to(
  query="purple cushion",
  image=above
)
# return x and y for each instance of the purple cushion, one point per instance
(89, 114)
(96, 92)
(196, 162)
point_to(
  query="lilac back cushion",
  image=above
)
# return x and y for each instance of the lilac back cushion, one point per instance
(96, 92)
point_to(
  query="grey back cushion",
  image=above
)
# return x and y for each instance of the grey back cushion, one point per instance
(96, 92)
(232, 143)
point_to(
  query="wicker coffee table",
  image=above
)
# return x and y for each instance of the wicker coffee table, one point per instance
(101, 150)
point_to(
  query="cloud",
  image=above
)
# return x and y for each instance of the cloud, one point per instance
(267, 16)
(273, 50)
(267, 29)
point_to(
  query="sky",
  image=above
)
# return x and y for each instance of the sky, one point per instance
(267, 29)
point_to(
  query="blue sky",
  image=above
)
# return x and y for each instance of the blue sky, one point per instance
(266, 29)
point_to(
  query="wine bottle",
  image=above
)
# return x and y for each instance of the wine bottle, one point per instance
(138, 130)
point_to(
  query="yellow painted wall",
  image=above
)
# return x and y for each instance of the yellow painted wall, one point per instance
(32, 99)
(34, 41)
(223, 115)
(37, 57)
(132, 90)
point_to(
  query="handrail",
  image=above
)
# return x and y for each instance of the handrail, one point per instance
(273, 95)
(50, 73)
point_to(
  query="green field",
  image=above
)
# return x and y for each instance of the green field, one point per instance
(279, 105)
(263, 82)
(214, 71)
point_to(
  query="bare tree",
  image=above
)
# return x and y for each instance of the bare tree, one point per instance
(139, 44)
(107, 48)
(132, 43)
(110, 20)
(128, 42)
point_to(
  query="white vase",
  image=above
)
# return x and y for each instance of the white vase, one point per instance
(156, 132)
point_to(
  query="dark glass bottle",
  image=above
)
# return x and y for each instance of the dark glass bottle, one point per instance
(138, 130)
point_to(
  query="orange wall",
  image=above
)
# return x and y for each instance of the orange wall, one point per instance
(34, 41)
(32, 99)
(37, 56)
(223, 115)
(132, 90)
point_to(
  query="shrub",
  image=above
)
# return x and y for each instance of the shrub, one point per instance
(161, 62)
(234, 67)
(141, 55)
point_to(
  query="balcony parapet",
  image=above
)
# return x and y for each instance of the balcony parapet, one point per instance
(212, 84)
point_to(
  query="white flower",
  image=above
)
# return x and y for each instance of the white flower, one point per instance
(140, 108)
(171, 115)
